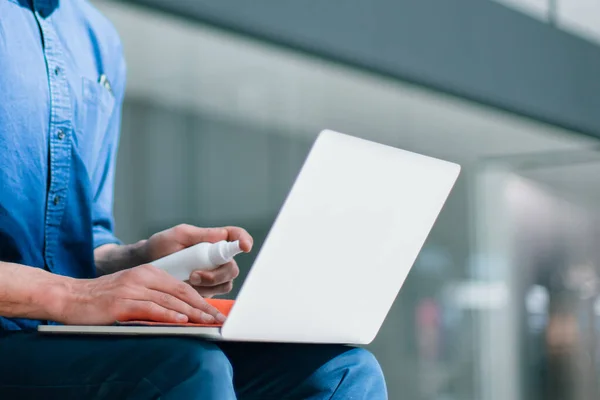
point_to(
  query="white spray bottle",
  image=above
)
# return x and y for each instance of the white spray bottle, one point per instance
(202, 256)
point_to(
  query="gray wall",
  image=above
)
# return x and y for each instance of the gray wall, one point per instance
(177, 166)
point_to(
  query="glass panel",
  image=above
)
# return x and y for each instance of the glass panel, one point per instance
(539, 226)
(536, 8)
(581, 17)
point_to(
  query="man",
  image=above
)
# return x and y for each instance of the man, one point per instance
(62, 81)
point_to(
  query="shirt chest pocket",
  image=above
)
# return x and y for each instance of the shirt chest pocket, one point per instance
(94, 114)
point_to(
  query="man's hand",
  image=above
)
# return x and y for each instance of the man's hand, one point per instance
(207, 283)
(140, 293)
(111, 258)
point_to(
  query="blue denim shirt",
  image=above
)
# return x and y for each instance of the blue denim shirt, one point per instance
(59, 128)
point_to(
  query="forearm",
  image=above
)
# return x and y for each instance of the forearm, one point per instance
(112, 258)
(33, 293)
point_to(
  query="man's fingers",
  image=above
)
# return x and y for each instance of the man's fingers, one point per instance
(189, 235)
(164, 282)
(214, 290)
(218, 276)
(236, 233)
(148, 311)
(173, 303)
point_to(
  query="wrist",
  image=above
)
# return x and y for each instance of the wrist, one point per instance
(56, 296)
(111, 258)
(138, 253)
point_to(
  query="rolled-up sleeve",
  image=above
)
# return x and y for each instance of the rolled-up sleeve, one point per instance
(103, 177)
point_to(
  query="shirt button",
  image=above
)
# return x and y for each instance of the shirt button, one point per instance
(56, 70)
(56, 200)
(61, 134)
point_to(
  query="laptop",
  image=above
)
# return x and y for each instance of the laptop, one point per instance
(338, 252)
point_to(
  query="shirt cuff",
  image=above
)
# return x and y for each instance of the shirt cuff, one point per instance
(103, 236)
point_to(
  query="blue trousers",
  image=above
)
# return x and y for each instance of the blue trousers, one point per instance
(100, 367)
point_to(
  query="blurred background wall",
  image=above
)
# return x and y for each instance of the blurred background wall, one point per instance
(225, 98)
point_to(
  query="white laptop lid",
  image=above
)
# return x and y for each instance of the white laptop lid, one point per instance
(342, 245)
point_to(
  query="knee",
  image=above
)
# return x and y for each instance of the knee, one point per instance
(365, 373)
(185, 360)
(363, 362)
(199, 357)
